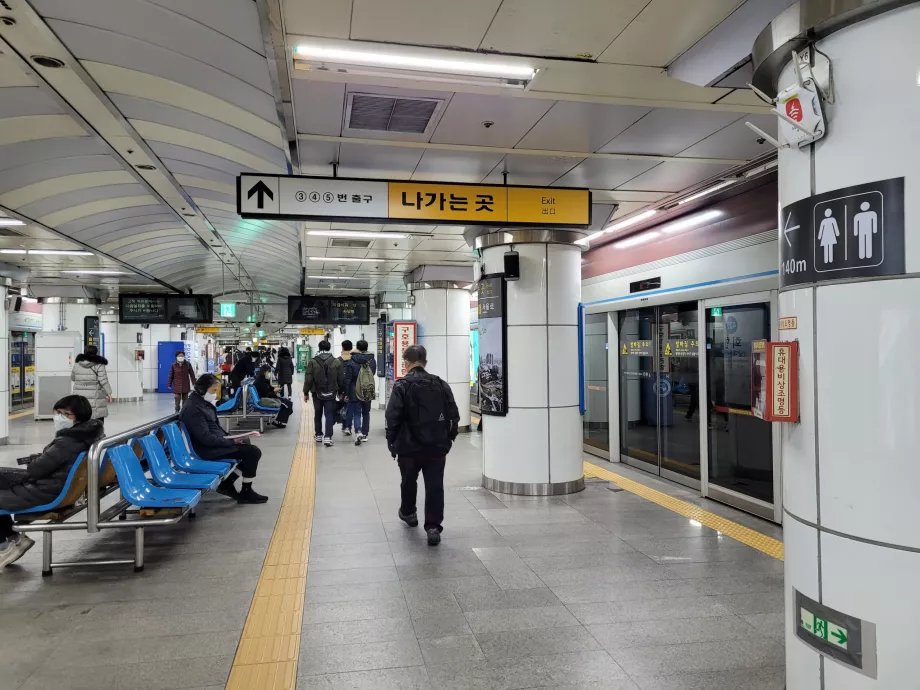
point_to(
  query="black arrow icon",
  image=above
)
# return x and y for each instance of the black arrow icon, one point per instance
(262, 190)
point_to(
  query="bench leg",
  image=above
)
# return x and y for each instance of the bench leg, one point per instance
(192, 514)
(261, 425)
(139, 549)
(46, 554)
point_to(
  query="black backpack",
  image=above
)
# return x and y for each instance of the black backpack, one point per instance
(426, 409)
(324, 378)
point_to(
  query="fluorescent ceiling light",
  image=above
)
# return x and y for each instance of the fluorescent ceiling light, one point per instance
(706, 192)
(637, 240)
(629, 222)
(331, 278)
(360, 233)
(415, 62)
(761, 168)
(60, 252)
(10, 222)
(342, 258)
(12, 251)
(587, 240)
(691, 222)
(98, 273)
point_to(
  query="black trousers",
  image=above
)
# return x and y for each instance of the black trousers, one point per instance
(323, 409)
(248, 456)
(432, 469)
(290, 391)
(284, 412)
(10, 476)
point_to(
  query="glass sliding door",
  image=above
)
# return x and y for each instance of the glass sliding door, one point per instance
(596, 418)
(740, 444)
(659, 391)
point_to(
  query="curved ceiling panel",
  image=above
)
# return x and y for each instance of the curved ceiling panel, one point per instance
(200, 172)
(33, 127)
(61, 185)
(61, 202)
(199, 194)
(160, 26)
(125, 227)
(198, 183)
(23, 176)
(26, 100)
(188, 155)
(141, 213)
(238, 19)
(58, 150)
(144, 234)
(161, 251)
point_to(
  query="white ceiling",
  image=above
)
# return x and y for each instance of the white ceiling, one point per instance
(187, 87)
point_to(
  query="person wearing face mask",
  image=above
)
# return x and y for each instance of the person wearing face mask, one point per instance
(45, 473)
(181, 379)
(211, 442)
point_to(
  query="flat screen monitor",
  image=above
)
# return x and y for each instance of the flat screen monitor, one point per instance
(308, 309)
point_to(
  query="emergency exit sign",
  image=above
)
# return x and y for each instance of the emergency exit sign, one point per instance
(228, 309)
(836, 635)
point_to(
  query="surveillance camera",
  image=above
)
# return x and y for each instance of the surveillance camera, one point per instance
(487, 124)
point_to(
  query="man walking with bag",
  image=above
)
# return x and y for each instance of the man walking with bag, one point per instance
(361, 389)
(422, 423)
(321, 380)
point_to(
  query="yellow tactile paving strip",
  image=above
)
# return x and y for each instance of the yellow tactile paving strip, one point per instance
(745, 535)
(269, 649)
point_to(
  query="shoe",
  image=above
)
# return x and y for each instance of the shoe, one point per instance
(277, 425)
(327, 442)
(411, 520)
(13, 549)
(346, 432)
(228, 487)
(359, 438)
(247, 495)
(434, 537)
(318, 438)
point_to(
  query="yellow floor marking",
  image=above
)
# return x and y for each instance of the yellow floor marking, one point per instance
(24, 413)
(745, 535)
(270, 645)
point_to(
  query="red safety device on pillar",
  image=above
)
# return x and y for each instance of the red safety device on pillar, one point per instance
(775, 381)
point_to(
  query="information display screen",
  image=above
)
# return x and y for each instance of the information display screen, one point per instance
(165, 309)
(328, 310)
(493, 380)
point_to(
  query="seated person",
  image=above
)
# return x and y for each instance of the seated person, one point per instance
(45, 473)
(211, 442)
(268, 397)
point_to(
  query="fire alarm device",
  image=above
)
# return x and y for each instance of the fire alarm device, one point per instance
(512, 266)
(775, 381)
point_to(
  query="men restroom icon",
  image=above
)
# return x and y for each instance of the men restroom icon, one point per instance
(865, 225)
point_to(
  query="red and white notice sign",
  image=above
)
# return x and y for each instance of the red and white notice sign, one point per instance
(782, 382)
(403, 337)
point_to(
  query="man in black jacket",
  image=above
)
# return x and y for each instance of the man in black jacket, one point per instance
(422, 423)
(45, 473)
(211, 442)
(321, 380)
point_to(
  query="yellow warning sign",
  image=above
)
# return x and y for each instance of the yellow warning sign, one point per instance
(667, 349)
(625, 350)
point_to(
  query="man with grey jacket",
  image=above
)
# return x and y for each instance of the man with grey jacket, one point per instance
(92, 382)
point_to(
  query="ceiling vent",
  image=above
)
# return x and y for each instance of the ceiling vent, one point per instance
(370, 112)
(350, 244)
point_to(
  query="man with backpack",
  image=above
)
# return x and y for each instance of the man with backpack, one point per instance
(342, 410)
(361, 389)
(422, 423)
(321, 379)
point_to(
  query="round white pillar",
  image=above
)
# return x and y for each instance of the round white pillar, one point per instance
(536, 449)
(850, 473)
(442, 311)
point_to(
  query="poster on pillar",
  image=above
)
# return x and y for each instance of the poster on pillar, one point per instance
(854, 232)
(493, 374)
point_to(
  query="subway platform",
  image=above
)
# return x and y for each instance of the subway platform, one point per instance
(614, 587)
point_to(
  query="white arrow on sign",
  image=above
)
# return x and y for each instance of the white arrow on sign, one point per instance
(787, 229)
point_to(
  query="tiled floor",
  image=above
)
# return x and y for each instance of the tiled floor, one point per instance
(599, 590)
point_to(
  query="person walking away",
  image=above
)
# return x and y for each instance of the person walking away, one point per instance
(211, 442)
(181, 379)
(342, 404)
(285, 371)
(45, 473)
(422, 423)
(241, 369)
(361, 389)
(320, 381)
(91, 380)
(269, 398)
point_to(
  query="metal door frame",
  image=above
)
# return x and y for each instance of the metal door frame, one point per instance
(586, 447)
(770, 511)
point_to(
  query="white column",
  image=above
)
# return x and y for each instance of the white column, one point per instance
(850, 470)
(537, 447)
(443, 316)
(124, 370)
(67, 317)
(4, 371)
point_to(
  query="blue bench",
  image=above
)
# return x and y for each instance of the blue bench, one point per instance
(166, 476)
(184, 457)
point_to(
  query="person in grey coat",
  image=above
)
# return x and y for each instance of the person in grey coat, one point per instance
(91, 381)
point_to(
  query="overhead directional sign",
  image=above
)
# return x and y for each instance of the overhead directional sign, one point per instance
(855, 232)
(373, 201)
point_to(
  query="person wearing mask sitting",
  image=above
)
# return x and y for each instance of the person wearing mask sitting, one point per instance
(211, 442)
(181, 379)
(45, 473)
(268, 397)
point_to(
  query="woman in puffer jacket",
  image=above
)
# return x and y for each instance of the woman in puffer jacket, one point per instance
(92, 382)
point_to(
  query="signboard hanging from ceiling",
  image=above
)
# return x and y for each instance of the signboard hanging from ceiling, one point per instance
(307, 309)
(296, 197)
(165, 309)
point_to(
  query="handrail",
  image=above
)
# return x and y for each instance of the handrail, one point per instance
(94, 460)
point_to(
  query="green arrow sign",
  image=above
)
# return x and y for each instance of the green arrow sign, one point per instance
(838, 635)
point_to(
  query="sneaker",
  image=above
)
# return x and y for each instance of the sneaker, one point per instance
(346, 432)
(327, 442)
(228, 487)
(360, 438)
(434, 537)
(13, 549)
(247, 495)
(411, 520)
(318, 438)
